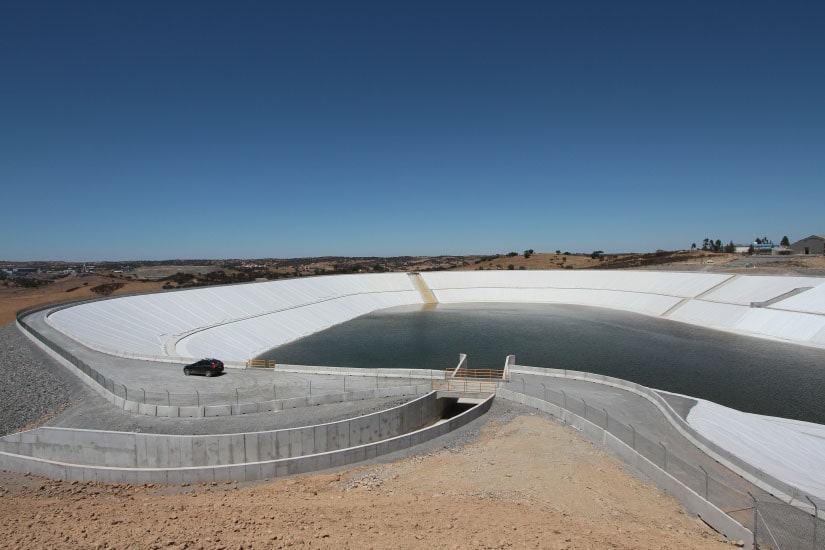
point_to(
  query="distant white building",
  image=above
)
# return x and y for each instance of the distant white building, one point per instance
(764, 248)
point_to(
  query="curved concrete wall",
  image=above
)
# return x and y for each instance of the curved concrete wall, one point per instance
(79, 455)
(239, 322)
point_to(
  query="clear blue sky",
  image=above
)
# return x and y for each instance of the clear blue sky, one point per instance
(153, 130)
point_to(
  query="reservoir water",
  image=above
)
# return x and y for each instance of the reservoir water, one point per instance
(744, 373)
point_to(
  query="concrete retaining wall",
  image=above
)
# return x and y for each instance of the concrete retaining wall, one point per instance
(691, 500)
(140, 450)
(240, 457)
(763, 480)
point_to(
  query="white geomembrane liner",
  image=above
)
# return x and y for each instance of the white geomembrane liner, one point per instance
(759, 288)
(683, 285)
(239, 321)
(245, 339)
(789, 450)
(810, 301)
(148, 324)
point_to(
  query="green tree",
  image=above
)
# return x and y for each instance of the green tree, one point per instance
(107, 289)
(785, 241)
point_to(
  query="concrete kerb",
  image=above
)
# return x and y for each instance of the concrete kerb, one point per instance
(694, 502)
(427, 374)
(763, 480)
(248, 470)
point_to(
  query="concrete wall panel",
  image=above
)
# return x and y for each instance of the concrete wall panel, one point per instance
(186, 447)
(217, 410)
(319, 436)
(251, 447)
(209, 448)
(296, 442)
(268, 470)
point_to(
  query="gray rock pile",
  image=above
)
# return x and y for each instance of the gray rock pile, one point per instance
(32, 385)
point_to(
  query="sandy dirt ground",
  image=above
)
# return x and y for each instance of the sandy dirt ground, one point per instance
(525, 482)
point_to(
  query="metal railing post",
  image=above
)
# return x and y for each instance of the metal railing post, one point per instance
(565, 398)
(634, 435)
(522, 385)
(197, 393)
(706, 482)
(545, 391)
(816, 518)
(274, 392)
(237, 397)
(606, 420)
(345, 383)
(144, 395)
(585, 407)
(168, 399)
(665, 448)
(755, 521)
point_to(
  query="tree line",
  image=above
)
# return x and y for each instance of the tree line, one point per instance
(709, 245)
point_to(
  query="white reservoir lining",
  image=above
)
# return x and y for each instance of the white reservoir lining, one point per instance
(240, 321)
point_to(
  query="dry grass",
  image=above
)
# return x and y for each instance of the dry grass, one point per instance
(14, 299)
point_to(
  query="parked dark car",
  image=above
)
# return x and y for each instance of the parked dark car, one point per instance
(206, 367)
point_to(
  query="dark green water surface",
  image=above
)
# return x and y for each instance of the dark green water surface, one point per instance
(744, 373)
